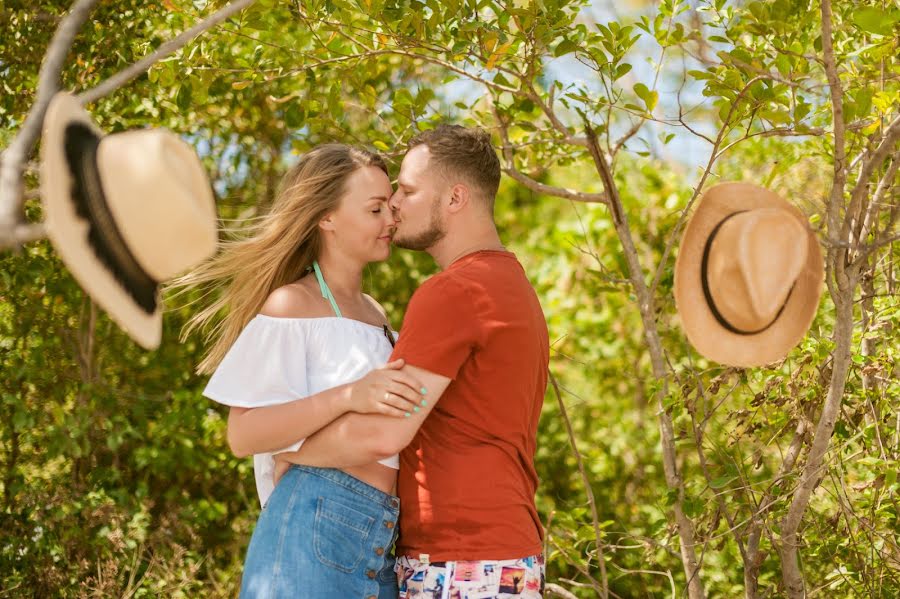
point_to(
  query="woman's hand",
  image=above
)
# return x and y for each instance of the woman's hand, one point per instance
(281, 466)
(387, 390)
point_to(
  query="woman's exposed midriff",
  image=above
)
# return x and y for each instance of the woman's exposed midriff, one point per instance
(383, 478)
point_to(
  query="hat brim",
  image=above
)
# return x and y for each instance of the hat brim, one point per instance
(704, 332)
(69, 232)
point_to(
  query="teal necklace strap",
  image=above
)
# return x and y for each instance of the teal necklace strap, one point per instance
(326, 292)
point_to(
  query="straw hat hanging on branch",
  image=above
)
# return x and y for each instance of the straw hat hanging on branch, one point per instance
(125, 212)
(748, 277)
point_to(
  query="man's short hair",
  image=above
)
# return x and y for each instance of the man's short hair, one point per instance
(464, 153)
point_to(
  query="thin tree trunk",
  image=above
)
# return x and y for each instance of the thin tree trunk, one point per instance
(651, 334)
(813, 471)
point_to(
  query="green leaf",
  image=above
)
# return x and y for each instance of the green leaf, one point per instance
(499, 79)
(167, 75)
(701, 75)
(294, 115)
(402, 97)
(565, 47)
(801, 111)
(863, 101)
(873, 20)
(783, 64)
(650, 97)
(184, 97)
(621, 70)
(718, 483)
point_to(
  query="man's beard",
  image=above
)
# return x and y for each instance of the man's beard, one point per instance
(427, 238)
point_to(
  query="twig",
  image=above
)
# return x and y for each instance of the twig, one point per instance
(554, 589)
(604, 581)
(578, 566)
(713, 156)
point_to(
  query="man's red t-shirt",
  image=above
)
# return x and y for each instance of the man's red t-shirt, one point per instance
(467, 481)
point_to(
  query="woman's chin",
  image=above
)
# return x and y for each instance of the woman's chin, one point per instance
(381, 255)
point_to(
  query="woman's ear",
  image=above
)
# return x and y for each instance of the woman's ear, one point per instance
(327, 223)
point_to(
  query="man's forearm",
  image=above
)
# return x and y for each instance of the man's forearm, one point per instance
(351, 440)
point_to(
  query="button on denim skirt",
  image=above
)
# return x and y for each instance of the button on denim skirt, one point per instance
(323, 534)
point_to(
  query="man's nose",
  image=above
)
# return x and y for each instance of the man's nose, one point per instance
(394, 201)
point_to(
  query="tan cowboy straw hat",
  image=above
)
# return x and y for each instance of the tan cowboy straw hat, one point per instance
(125, 211)
(748, 276)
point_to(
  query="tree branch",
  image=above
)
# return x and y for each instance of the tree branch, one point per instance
(140, 67)
(12, 161)
(835, 201)
(845, 281)
(861, 188)
(654, 345)
(713, 156)
(536, 186)
(554, 589)
(13, 231)
(864, 227)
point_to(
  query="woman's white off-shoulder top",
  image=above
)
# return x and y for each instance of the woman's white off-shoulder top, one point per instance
(277, 360)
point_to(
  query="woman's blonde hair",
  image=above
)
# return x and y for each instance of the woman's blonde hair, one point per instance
(275, 250)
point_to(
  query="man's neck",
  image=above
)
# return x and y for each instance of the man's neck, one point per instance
(449, 250)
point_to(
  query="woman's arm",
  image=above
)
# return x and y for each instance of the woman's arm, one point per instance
(387, 391)
(262, 430)
(269, 428)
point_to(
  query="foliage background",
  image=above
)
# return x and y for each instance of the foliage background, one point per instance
(115, 475)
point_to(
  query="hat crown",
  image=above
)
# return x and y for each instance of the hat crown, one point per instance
(754, 261)
(158, 193)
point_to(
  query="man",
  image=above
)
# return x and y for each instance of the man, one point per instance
(475, 336)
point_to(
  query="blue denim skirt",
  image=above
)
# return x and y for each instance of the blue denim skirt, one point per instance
(323, 534)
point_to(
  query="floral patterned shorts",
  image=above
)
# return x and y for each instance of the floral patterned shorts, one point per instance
(471, 580)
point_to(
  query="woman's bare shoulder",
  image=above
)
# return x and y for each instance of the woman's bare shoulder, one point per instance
(294, 300)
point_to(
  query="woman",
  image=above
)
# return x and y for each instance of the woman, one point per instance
(301, 345)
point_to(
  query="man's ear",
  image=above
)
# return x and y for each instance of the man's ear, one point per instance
(459, 197)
